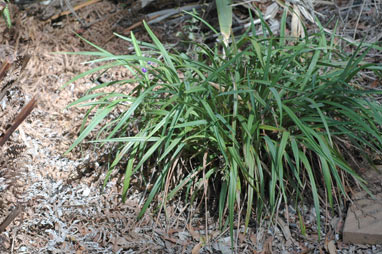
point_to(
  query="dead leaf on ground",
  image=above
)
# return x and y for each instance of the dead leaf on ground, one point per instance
(332, 247)
(196, 249)
(241, 238)
(193, 233)
(286, 232)
(268, 246)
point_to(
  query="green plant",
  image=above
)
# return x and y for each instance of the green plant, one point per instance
(224, 9)
(4, 9)
(268, 118)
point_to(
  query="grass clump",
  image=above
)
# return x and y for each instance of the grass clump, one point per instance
(265, 118)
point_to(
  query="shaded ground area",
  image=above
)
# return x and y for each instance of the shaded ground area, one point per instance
(63, 208)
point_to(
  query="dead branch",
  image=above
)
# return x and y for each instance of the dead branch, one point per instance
(19, 119)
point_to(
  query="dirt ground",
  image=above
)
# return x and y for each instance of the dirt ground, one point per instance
(57, 198)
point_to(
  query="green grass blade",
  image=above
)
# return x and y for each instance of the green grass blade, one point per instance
(95, 121)
(162, 49)
(126, 180)
(314, 192)
(224, 9)
(232, 197)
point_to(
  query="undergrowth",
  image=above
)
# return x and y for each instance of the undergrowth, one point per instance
(265, 118)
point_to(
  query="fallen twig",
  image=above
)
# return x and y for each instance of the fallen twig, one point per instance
(11, 217)
(19, 119)
(4, 69)
(156, 17)
(75, 8)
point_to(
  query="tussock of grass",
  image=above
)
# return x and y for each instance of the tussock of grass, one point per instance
(265, 119)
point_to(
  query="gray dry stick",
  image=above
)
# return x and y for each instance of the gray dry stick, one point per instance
(11, 217)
